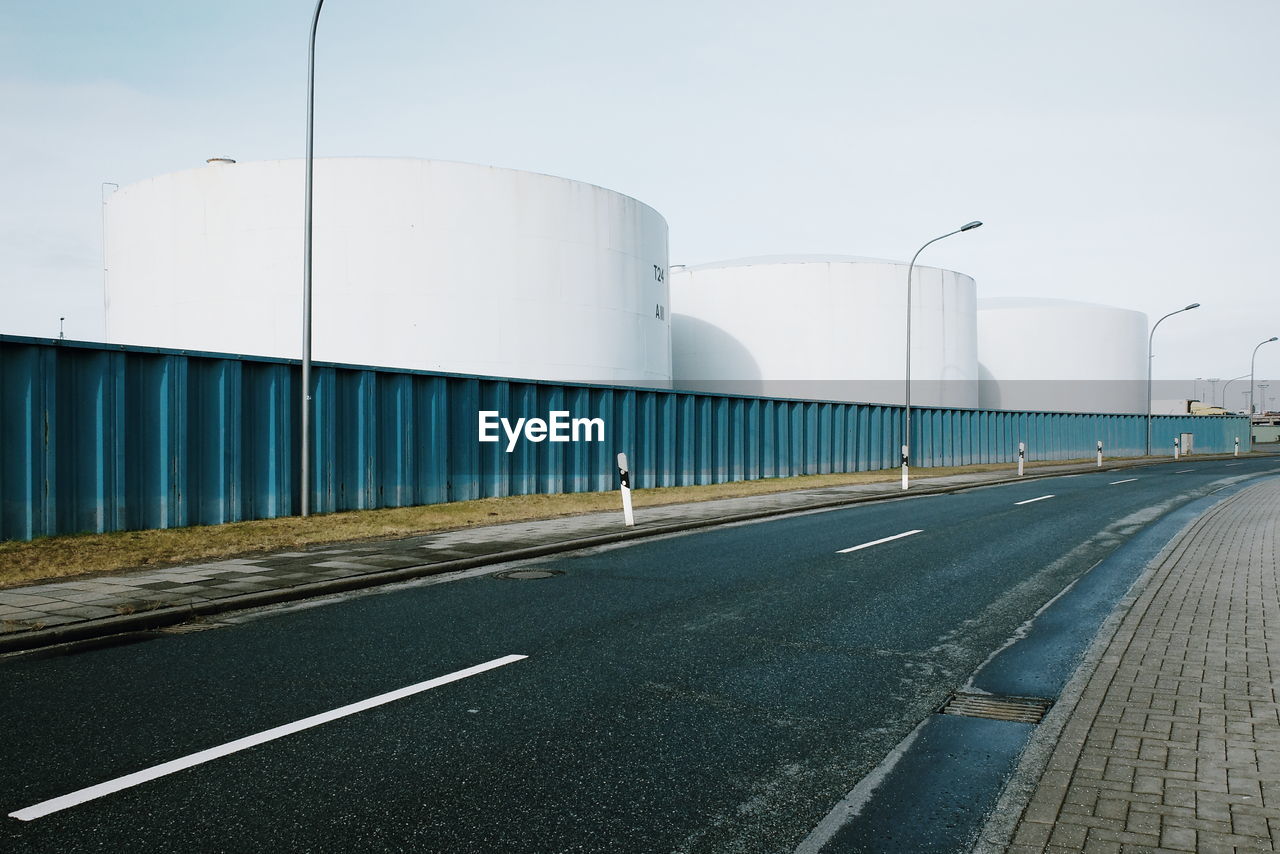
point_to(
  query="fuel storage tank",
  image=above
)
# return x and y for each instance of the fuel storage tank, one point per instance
(1061, 355)
(824, 328)
(416, 264)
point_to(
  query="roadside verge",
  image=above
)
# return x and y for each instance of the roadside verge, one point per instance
(68, 611)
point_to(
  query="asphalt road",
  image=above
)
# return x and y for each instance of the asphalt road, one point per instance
(713, 692)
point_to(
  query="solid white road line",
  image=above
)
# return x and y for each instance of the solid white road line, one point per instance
(92, 792)
(1114, 482)
(878, 542)
(1183, 471)
(1032, 500)
(1233, 464)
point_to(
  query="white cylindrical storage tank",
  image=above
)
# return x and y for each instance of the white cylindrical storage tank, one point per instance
(416, 264)
(824, 328)
(1060, 355)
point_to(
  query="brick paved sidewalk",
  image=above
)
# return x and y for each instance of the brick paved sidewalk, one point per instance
(1174, 744)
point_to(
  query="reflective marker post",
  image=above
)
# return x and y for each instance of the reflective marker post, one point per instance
(1175, 448)
(1099, 453)
(1237, 453)
(628, 519)
(904, 466)
(1022, 454)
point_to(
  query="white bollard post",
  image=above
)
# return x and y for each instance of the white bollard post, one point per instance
(904, 466)
(1237, 453)
(1175, 449)
(1022, 453)
(1099, 453)
(628, 519)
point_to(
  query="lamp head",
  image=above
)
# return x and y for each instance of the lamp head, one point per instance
(1193, 305)
(971, 225)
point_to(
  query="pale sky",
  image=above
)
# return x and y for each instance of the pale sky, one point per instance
(1119, 152)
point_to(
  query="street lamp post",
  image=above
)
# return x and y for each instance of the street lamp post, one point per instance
(103, 196)
(1150, 339)
(305, 450)
(906, 428)
(1252, 360)
(1227, 386)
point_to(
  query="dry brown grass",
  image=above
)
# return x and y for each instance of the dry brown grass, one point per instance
(84, 554)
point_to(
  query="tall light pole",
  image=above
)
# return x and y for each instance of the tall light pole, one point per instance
(1253, 359)
(906, 429)
(1151, 338)
(103, 196)
(305, 468)
(1227, 386)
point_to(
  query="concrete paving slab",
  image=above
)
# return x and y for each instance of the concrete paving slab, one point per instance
(24, 600)
(88, 612)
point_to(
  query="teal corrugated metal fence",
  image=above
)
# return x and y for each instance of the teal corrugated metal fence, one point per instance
(105, 438)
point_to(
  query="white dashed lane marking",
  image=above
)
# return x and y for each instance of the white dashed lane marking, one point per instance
(879, 541)
(129, 780)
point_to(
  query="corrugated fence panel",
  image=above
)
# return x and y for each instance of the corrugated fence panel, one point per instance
(394, 477)
(100, 438)
(464, 451)
(431, 435)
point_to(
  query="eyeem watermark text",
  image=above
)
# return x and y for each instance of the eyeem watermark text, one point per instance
(557, 427)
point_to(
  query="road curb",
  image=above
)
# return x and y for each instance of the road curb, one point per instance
(91, 630)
